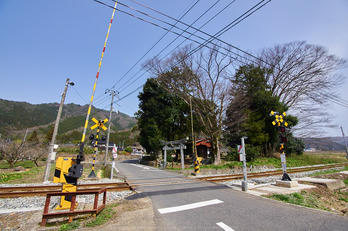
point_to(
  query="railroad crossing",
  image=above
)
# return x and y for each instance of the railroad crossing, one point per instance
(181, 203)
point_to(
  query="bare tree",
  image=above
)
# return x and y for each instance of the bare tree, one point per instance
(13, 151)
(35, 152)
(303, 77)
(204, 78)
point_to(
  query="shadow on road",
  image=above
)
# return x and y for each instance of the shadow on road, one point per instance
(175, 191)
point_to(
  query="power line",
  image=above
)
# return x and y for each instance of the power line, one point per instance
(172, 42)
(159, 40)
(226, 28)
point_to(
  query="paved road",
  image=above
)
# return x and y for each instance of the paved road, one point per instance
(180, 204)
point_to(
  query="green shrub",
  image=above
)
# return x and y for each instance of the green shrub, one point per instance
(128, 149)
(232, 154)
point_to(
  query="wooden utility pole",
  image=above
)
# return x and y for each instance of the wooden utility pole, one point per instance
(344, 138)
(55, 130)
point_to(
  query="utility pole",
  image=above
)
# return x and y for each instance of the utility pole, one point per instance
(194, 154)
(55, 130)
(344, 138)
(112, 93)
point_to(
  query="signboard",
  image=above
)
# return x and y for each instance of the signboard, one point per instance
(53, 155)
(240, 148)
(242, 157)
(114, 152)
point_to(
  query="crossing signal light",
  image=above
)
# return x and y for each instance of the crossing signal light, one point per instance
(282, 129)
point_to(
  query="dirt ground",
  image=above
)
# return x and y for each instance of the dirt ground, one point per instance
(130, 215)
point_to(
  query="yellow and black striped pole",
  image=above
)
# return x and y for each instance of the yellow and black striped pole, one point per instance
(97, 76)
(98, 124)
(279, 121)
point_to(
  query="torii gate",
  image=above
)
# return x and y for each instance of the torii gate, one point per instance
(172, 147)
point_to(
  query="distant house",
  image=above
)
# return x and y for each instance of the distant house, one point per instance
(138, 149)
(203, 147)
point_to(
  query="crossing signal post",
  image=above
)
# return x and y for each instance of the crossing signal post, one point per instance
(98, 124)
(279, 121)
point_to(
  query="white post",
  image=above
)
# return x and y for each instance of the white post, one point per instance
(182, 156)
(165, 157)
(245, 180)
(114, 156)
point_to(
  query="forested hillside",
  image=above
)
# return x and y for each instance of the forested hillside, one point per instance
(16, 116)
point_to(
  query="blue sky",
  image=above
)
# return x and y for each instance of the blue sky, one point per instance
(42, 43)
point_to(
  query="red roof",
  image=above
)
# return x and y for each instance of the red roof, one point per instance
(203, 142)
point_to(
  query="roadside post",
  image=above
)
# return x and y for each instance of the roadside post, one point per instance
(114, 156)
(243, 156)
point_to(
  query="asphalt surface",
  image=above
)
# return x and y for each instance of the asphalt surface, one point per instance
(180, 204)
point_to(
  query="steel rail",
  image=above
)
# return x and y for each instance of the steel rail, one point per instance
(268, 173)
(22, 191)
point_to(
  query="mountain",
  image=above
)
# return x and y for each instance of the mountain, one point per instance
(22, 115)
(325, 144)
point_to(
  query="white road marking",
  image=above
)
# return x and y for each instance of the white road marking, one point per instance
(146, 168)
(189, 206)
(152, 170)
(116, 169)
(224, 226)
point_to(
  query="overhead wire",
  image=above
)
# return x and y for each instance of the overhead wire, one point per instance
(158, 41)
(330, 97)
(235, 22)
(226, 28)
(173, 42)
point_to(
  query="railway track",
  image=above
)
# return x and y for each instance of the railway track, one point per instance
(268, 173)
(24, 191)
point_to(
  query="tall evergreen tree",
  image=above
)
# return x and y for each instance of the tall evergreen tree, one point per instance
(162, 116)
(250, 87)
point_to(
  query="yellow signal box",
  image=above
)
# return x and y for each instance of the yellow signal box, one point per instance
(62, 169)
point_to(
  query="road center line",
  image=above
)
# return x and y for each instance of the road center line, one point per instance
(224, 226)
(189, 206)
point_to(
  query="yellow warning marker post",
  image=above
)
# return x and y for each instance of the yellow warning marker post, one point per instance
(279, 121)
(98, 124)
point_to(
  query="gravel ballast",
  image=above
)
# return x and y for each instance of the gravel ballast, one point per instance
(8, 205)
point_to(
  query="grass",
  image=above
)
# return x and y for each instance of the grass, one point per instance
(329, 171)
(13, 176)
(304, 199)
(24, 164)
(103, 216)
(7, 177)
(70, 226)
